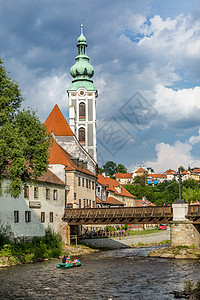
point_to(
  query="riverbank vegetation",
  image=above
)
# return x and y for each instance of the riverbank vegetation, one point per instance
(191, 290)
(38, 249)
(167, 191)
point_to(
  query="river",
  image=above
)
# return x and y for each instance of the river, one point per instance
(123, 274)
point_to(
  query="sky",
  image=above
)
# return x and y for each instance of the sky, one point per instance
(146, 57)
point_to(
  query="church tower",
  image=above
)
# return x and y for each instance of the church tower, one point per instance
(82, 99)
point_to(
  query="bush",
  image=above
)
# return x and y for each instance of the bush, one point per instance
(5, 235)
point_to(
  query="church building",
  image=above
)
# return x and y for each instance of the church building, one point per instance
(82, 100)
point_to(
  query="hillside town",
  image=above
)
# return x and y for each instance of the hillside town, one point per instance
(72, 179)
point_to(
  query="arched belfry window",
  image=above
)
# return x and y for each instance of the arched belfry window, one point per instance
(82, 111)
(81, 135)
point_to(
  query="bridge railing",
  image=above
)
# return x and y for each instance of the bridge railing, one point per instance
(194, 210)
(117, 212)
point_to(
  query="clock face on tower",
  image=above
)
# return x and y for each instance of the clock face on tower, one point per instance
(82, 93)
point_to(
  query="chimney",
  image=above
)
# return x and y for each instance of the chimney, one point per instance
(81, 163)
(75, 160)
(85, 164)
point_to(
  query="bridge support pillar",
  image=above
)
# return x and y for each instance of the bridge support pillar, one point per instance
(67, 241)
(183, 231)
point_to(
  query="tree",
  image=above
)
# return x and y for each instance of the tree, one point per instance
(121, 168)
(24, 142)
(110, 168)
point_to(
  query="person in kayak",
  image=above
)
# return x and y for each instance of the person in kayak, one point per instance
(64, 259)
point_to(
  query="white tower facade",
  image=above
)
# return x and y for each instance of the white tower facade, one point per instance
(82, 100)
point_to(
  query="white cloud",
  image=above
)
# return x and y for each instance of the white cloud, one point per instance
(173, 156)
(194, 139)
(174, 106)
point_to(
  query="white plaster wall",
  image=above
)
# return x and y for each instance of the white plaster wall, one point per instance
(58, 170)
(34, 228)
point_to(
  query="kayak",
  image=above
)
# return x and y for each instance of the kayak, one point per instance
(68, 265)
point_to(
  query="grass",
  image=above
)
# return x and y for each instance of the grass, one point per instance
(142, 232)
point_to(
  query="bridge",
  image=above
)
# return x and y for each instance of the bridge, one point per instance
(127, 215)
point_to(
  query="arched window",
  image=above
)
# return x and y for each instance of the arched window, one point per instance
(82, 111)
(81, 135)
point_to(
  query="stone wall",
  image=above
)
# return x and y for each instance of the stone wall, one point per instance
(184, 233)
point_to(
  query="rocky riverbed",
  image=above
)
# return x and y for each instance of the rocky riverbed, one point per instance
(179, 252)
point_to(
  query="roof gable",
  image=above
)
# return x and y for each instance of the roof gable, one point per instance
(57, 123)
(57, 155)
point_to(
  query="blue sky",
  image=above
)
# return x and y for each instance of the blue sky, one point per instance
(146, 56)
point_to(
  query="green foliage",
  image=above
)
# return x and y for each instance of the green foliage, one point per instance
(167, 191)
(110, 168)
(24, 142)
(49, 246)
(121, 169)
(5, 235)
(140, 180)
(188, 285)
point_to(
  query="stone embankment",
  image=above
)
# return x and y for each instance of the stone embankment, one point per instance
(127, 241)
(180, 252)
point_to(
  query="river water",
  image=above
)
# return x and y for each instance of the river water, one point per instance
(118, 274)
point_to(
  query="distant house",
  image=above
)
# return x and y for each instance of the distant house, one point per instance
(153, 179)
(140, 172)
(195, 174)
(111, 188)
(170, 174)
(124, 178)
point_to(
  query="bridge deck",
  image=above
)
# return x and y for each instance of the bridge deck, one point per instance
(126, 215)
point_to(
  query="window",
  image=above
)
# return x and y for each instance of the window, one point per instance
(84, 203)
(93, 203)
(42, 217)
(83, 182)
(79, 203)
(55, 194)
(47, 193)
(90, 203)
(26, 191)
(82, 110)
(98, 190)
(89, 184)
(27, 216)
(16, 216)
(35, 192)
(81, 134)
(51, 217)
(79, 181)
(74, 196)
(93, 185)
(86, 183)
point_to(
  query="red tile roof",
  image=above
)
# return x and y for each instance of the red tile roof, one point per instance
(196, 171)
(57, 155)
(123, 175)
(57, 124)
(141, 170)
(113, 201)
(98, 200)
(111, 184)
(50, 177)
(158, 175)
(140, 202)
(170, 172)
